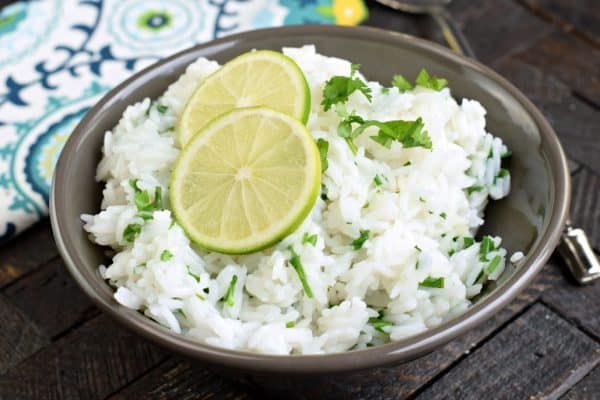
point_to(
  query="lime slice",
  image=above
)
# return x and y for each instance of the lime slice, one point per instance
(257, 78)
(246, 180)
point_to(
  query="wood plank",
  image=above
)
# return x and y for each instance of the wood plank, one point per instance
(573, 61)
(587, 389)
(583, 16)
(19, 337)
(537, 356)
(51, 298)
(496, 29)
(575, 121)
(585, 204)
(89, 363)
(33, 247)
(183, 380)
(578, 304)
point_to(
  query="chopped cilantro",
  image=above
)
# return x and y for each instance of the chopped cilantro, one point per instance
(406, 164)
(468, 242)
(192, 274)
(311, 239)
(131, 232)
(359, 241)
(417, 248)
(506, 154)
(433, 282)
(401, 83)
(377, 181)
(421, 199)
(297, 264)
(380, 323)
(385, 90)
(443, 215)
(141, 198)
(290, 324)
(430, 81)
(487, 245)
(166, 255)
(493, 264)
(474, 188)
(228, 298)
(451, 252)
(161, 109)
(323, 146)
(339, 88)
(502, 173)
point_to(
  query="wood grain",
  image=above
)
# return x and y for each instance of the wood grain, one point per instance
(89, 363)
(529, 359)
(572, 61)
(51, 298)
(19, 337)
(585, 204)
(575, 121)
(581, 16)
(587, 389)
(33, 247)
(179, 379)
(496, 29)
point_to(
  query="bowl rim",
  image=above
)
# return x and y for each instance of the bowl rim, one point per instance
(391, 353)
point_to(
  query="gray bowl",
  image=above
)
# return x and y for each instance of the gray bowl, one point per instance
(530, 219)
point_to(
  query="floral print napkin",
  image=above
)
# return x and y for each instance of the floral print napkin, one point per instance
(58, 57)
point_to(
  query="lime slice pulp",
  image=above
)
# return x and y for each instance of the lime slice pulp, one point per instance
(258, 78)
(246, 180)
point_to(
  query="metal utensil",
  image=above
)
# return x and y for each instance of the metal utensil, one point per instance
(574, 246)
(436, 9)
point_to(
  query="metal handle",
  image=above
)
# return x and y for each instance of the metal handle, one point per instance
(578, 254)
(452, 33)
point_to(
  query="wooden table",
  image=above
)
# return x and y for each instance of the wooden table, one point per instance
(55, 344)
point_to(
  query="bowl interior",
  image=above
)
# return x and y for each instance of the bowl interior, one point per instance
(538, 195)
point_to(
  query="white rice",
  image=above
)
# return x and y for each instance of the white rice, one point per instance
(416, 219)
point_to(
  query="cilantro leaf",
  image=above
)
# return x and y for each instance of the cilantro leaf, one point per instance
(433, 282)
(323, 146)
(409, 133)
(339, 88)
(468, 242)
(192, 274)
(166, 255)
(487, 245)
(142, 201)
(493, 264)
(228, 298)
(430, 82)
(401, 83)
(474, 188)
(290, 324)
(359, 241)
(161, 109)
(297, 265)
(131, 232)
(377, 181)
(311, 239)
(379, 324)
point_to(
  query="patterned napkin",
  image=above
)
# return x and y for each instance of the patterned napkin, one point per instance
(57, 58)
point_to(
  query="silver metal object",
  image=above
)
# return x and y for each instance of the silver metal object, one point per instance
(574, 246)
(578, 254)
(435, 8)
